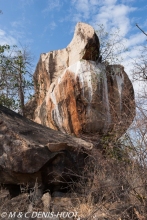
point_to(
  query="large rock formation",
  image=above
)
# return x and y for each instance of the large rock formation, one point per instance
(78, 95)
(30, 152)
(84, 45)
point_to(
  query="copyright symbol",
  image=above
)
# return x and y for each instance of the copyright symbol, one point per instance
(4, 214)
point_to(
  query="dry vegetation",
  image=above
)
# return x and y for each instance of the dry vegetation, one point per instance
(113, 187)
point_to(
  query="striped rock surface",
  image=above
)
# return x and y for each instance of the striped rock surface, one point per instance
(89, 98)
(76, 94)
(84, 45)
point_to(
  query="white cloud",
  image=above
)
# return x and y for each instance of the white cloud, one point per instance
(6, 39)
(26, 2)
(52, 25)
(136, 39)
(127, 1)
(52, 4)
(16, 24)
(110, 2)
(107, 12)
(82, 6)
(95, 2)
(114, 16)
(76, 18)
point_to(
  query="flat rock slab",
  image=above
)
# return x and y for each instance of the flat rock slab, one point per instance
(26, 147)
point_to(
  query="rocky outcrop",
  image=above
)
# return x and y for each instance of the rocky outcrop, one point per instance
(88, 98)
(30, 152)
(84, 45)
(78, 95)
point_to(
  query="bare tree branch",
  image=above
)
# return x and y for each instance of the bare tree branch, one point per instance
(141, 29)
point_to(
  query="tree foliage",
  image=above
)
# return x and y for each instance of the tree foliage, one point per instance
(15, 77)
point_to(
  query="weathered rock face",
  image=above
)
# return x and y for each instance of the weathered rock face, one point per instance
(88, 98)
(84, 45)
(78, 95)
(30, 152)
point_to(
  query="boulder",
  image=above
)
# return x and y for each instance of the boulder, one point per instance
(77, 94)
(89, 98)
(30, 152)
(84, 45)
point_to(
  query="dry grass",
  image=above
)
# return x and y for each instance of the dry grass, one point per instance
(112, 186)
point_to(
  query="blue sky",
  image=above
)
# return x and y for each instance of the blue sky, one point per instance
(46, 25)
